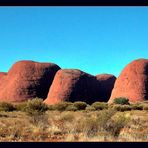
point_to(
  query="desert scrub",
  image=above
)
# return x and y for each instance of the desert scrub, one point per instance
(99, 105)
(61, 106)
(87, 125)
(137, 106)
(71, 108)
(67, 116)
(21, 106)
(117, 123)
(35, 106)
(90, 108)
(121, 100)
(122, 108)
(104, 117)
(80, 105)
(7, 107)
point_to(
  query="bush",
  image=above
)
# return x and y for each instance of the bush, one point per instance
(35, 106)
(7, 107)
(71, 108)
(90, 108)
(80, 105)
(21, 106)
(122, 108)
(67, 116)
(61, 106)
(100, 105)
(104, 117)
(137, 106)
(121, 101)
(87, 125)
(116, 124)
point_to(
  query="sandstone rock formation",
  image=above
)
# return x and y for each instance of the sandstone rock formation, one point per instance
(2, 74)
(74, 85)
(26, 80)
(132, 82)
(105, 86)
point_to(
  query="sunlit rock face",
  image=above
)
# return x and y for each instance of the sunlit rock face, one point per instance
(132, 83)
(26, 80)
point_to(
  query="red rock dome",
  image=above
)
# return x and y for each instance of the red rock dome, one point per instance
(132, 83)
(26, 80)
(75, 85)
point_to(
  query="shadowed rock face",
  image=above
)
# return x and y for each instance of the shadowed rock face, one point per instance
(132, 82)
(105, 86)
(27, 79)
(74, 85)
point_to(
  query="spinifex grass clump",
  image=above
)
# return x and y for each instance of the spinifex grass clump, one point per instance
(100, 105)
(35, 106)
(121, 100)
(4, 106)
(137, 106)
(122, 108)
(61, 106)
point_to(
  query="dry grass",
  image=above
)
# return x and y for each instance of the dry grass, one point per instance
(104, 125)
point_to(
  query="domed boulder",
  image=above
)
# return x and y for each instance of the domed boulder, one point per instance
(72, 85)
(27, 80)
(75, 85)
(105, 86)
(132, 83)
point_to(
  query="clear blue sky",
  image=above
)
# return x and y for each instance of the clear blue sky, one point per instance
(94, 39)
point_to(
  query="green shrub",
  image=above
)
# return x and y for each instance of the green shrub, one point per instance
(61, 106)
(35, 106)
(80, 105)
(121, 101)
(100, 105)
(4, 106)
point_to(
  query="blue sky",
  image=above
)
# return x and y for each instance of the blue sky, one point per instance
(94, 39)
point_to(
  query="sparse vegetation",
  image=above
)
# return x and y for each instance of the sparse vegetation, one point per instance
(80, 105)
(61, 106)
(34, 121)
(100, 105)
(122, 108)
(7, 107)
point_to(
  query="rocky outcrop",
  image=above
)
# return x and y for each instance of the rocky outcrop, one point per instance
(132, 83)
(75, 85)
(2, 74)
(26, 80)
